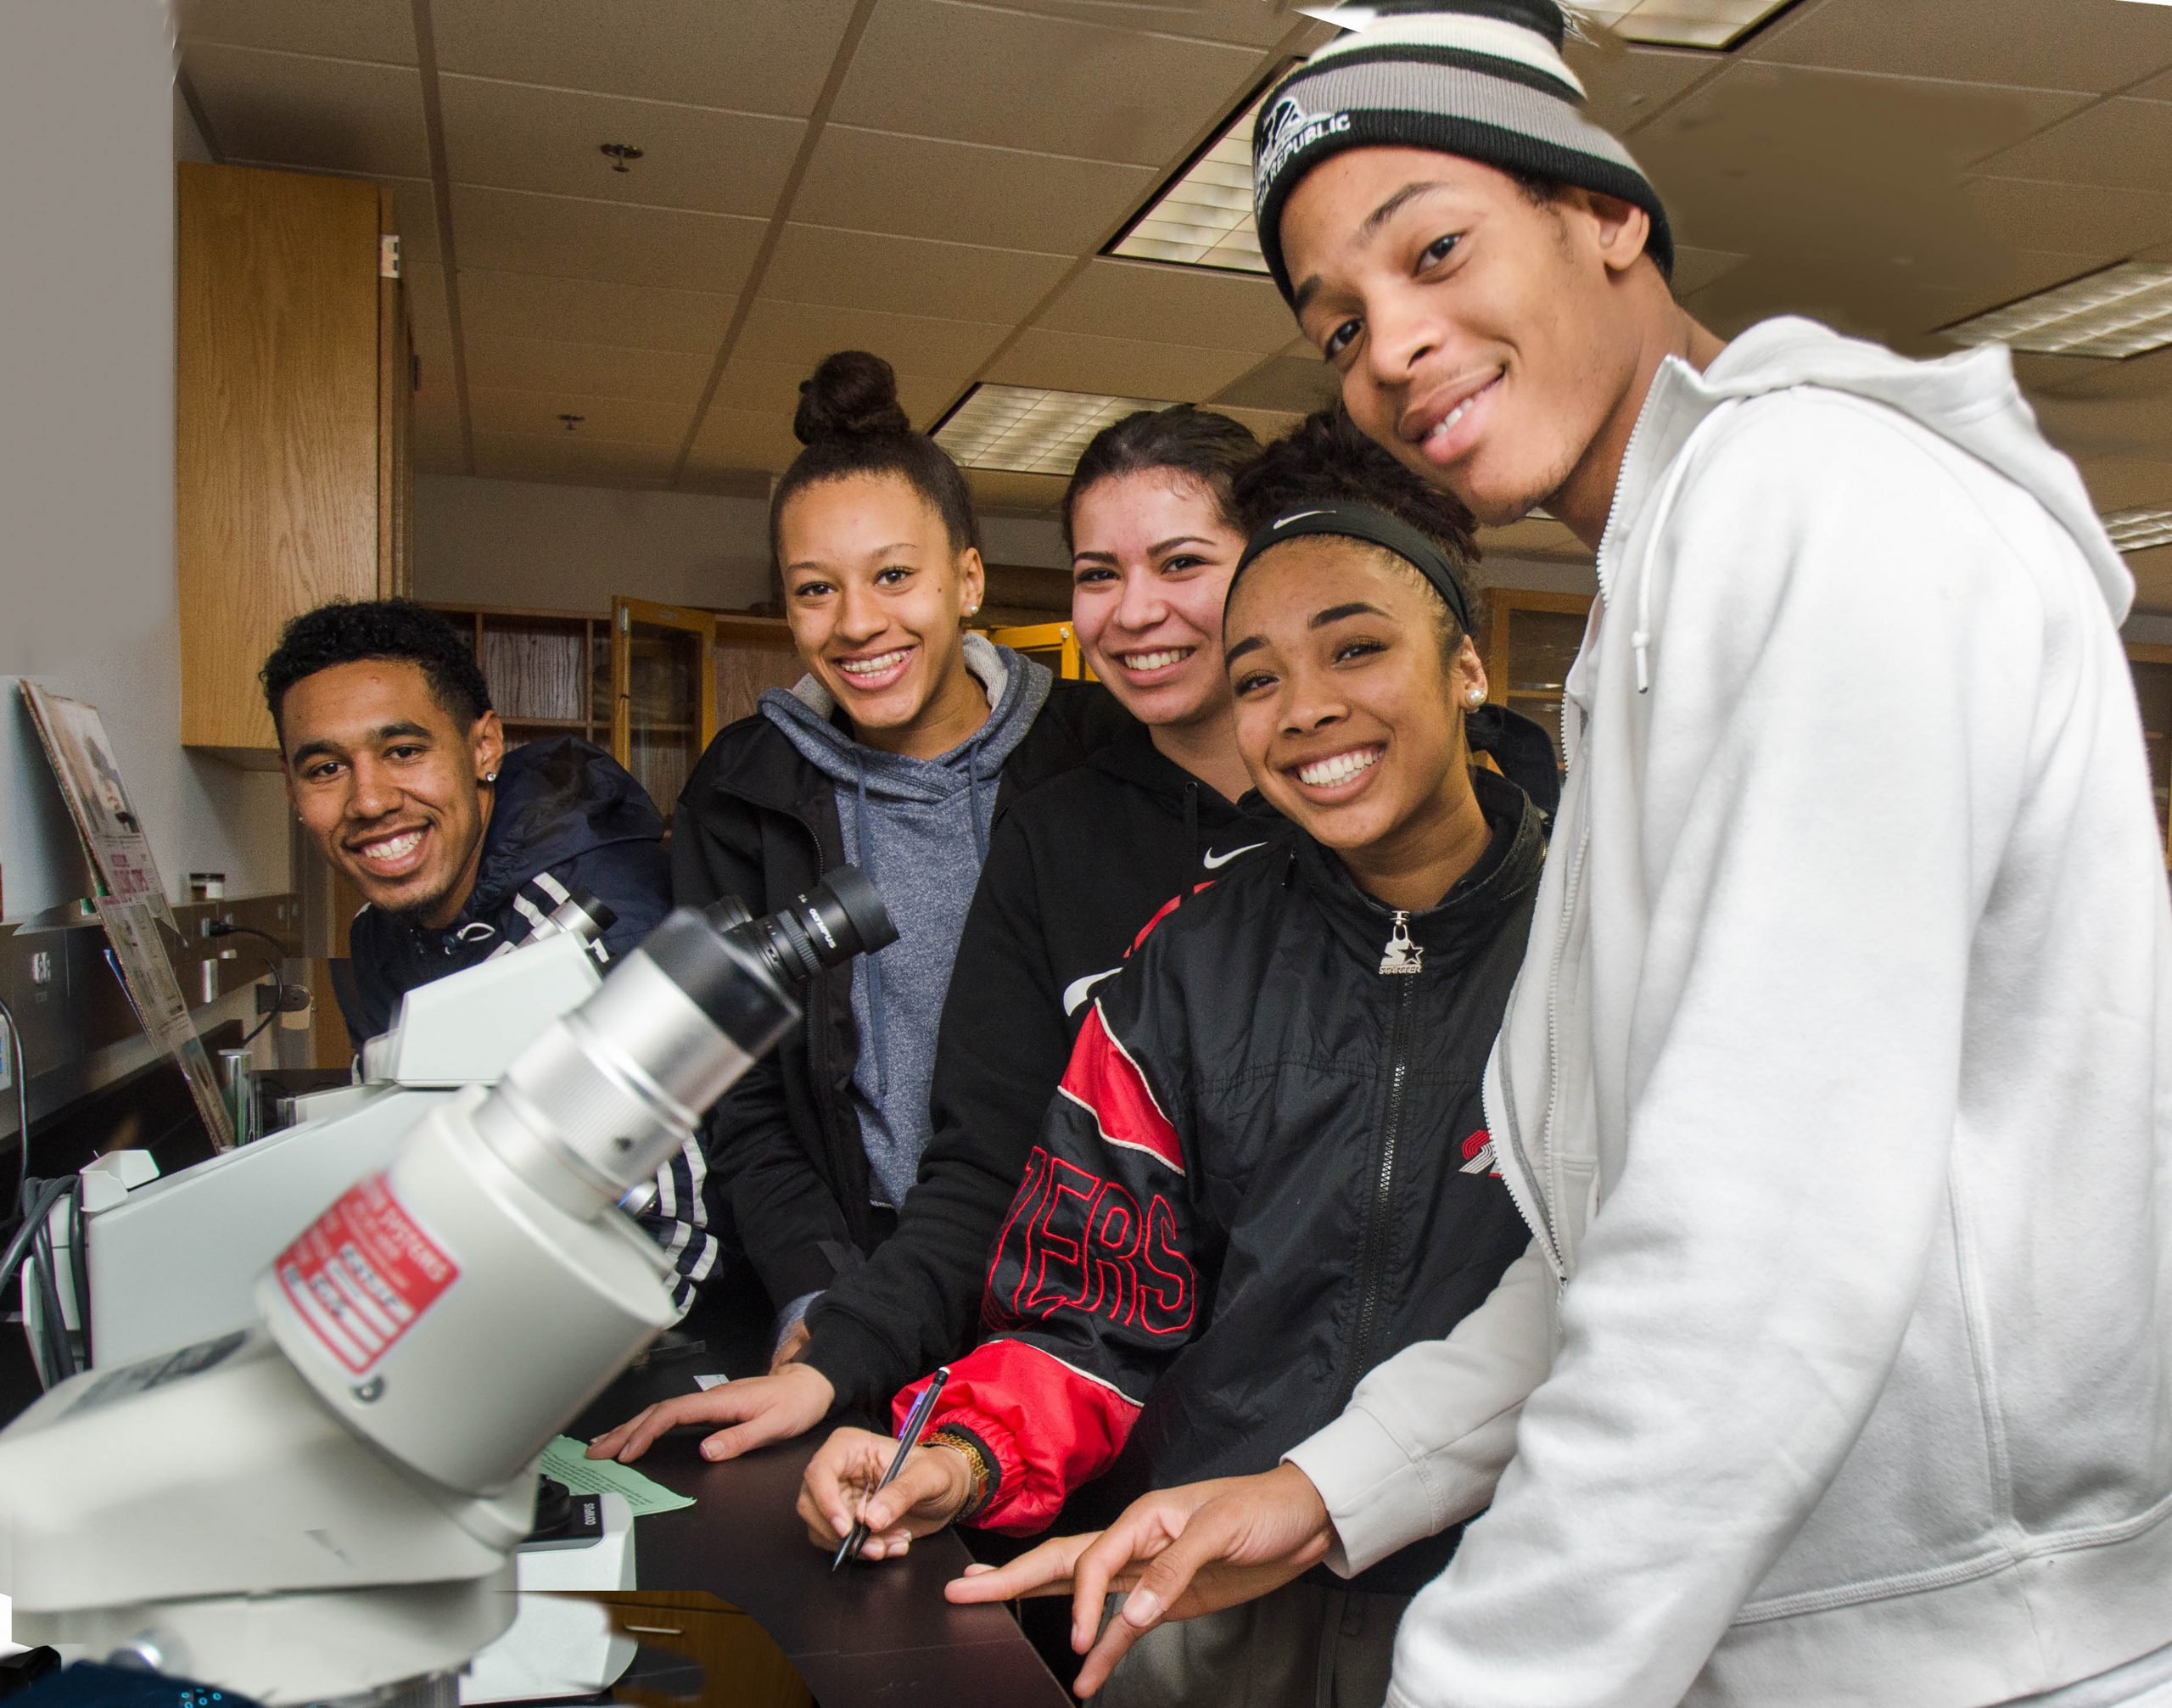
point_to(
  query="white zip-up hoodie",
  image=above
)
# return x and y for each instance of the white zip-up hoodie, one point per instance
(1835, 1090)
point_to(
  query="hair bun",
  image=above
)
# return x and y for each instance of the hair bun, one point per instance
(852, 394)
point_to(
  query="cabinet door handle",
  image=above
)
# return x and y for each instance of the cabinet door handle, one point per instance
(651, 1630)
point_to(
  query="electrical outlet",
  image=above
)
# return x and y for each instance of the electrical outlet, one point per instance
(41, 969)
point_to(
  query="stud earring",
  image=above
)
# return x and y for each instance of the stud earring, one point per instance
(1477, 699)
(489, 776)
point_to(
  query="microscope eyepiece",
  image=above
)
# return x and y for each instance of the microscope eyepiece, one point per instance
(840, 917)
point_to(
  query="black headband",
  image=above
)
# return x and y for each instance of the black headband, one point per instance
(1375, 526)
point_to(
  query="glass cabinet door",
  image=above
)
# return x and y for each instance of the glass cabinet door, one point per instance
(1531, 641)
(662, 693)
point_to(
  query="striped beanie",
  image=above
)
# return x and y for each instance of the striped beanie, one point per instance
(1483, 78)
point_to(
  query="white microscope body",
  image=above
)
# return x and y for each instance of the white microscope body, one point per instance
(324, 1501)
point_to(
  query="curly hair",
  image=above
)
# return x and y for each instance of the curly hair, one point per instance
(348, 630)
(1326, 459)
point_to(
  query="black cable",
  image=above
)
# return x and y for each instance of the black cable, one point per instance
(22, 1108)
(251, 1036)
(37, 1205)
(56, 1359)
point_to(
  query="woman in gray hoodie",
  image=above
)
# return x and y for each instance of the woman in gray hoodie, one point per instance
(892, 754)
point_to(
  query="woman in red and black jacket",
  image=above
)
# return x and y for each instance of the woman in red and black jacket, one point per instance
(1266, 1169)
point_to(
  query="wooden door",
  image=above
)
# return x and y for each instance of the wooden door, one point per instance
(662, 692)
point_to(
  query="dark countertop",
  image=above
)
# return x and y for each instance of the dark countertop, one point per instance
(872, 1634)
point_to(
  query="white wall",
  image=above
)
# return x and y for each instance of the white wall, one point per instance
(570, 548)
(87, 599)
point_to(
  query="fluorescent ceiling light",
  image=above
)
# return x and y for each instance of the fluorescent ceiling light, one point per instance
(1204, 219)
(2121, 312)
(1028, 431)
(2138, 531)
(1713, 23)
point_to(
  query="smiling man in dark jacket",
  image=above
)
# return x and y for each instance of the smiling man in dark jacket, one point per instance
(398, 769)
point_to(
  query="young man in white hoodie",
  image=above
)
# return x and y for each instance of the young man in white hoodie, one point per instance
(1837, 1083)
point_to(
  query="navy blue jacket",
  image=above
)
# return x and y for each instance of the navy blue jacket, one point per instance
(566, 817)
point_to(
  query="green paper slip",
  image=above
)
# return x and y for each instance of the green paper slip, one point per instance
(565, 1460)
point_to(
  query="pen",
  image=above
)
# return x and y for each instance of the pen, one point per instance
(908, 1438)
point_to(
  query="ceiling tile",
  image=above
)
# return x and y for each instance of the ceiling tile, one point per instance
(516, 136)
(429, 321)
(744, 439)
(772, 388)
(2096, 220)
(1293, 384)
(1118, 299)
(518, 231)
(2152, 573)
(800, 334)
(840, 269)
(1268, 425)
(2015, 42)
(2086, 427)
(2126, 145)
(923, 187)
(378, 30)
(502, 304)
(337, 114)
(1117, 366)
(2158, 88)
(2140, 376)
(1627, 85)
(1248, 22)
(569, 457)
(1000, 489)
(1695, 268)
(940, 68)
(536, 414)
(588, 370)
(751, 56)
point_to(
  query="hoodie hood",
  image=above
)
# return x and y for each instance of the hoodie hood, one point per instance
(1016, 688)
(555, 800)
(1971, 400)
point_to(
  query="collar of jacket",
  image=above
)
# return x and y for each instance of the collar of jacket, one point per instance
(556, 799)
(1506, 873)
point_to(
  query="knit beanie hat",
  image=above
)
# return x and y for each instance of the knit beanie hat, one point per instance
(1483, 78)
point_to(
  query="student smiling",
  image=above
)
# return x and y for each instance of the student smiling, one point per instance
(1266, 1169)
(893, 754)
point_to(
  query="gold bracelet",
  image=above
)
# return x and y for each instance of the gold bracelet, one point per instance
(976, 1468)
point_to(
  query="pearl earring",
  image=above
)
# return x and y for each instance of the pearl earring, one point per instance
(489, 776)
(1477, 699)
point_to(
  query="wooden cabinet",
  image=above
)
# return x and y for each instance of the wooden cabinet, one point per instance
(293, 385)
(1053, 644)
(549, 671)
(1529, 642)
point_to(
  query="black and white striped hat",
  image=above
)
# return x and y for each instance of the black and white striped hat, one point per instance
(1484, 79)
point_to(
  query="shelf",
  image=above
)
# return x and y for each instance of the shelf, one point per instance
(510, 722)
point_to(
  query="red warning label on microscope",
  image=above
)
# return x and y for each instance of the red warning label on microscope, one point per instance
(364, 1274)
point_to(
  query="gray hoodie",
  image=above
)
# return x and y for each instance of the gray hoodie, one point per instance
(918, 829)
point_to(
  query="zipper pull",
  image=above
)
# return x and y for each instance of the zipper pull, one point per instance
(1402, 955)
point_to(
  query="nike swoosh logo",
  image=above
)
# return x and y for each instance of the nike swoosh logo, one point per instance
(1075, 992)
(1215, 862)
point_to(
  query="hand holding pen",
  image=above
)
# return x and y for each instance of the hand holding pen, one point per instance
(877, 1493)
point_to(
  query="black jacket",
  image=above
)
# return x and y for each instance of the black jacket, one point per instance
(566, 817)
(1075, 870)
(1266, 1172)
(757, 821)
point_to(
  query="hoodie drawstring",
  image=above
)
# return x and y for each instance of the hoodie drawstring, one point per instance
(865, 862)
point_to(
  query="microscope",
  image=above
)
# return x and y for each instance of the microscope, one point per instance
(322, 1502)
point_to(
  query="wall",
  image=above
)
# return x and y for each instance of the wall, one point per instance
(88, 600)
(570, 548)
